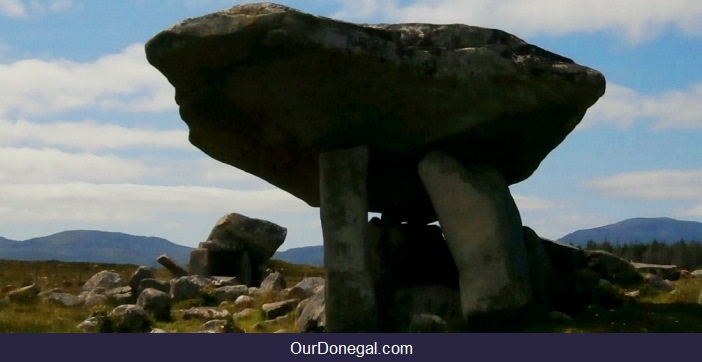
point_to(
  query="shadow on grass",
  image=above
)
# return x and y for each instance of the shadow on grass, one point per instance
(632, 318)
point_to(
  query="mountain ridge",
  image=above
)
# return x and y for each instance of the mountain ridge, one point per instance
(94, 246)
(638, 230)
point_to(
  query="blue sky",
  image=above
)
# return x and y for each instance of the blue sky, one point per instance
(90, 136)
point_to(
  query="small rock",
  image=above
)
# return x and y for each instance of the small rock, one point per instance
(155, 302)
(143, 272)
(427, 323)
(244, 301)
(220, 326)
(274, 282)
(277, 309)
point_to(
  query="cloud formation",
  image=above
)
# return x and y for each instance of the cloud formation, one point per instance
(656, 184)
(89, 135)
(86, 201)
(18, 8)
(622, 107)
(631, 20)
(114, 82)
(12, 8)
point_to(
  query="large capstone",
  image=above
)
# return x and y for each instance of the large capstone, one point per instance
(267, 89)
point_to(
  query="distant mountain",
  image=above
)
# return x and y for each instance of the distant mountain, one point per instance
(309, 255)
(94, 246)
(641, 230)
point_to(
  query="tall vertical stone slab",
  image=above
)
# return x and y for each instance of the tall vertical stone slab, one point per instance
(350, 298)
(482, 227)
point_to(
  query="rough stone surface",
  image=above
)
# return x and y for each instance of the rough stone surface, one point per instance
(427, 323)
(266, 78)
(669, 272)
(277, 309)
(66, 299)
(161, 285)
(204, 313)
(483, 230)
(274, 282)
(351, 304)
(129, 318)
(244, 301)
(24, 294)
(155, 302)
(436, 300)
(104, 279)
(143, 272)
(188, 287)
(311, 316)
(95, 299)
(235, 231)
(220, 326)
(229, 293)
(172, 266)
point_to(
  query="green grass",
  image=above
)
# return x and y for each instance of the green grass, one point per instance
(653, 311)
(41, 317)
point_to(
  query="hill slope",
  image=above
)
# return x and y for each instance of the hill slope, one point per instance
(641, 230)
(94, 246)
(309, 255)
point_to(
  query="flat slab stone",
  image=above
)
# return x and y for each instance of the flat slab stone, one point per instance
(267, 88)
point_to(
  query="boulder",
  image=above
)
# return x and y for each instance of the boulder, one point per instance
(260, 238)
(143, 272)
(244, 301)
(104, 279)
(204, 313)
(156, 303)
(277, 309)
(220, 326)
(128, 318)
(669, 272)
(66, 299)
(310, 316)
(25, 294)
(188, 287)
(260, 86)
(95, 300)
(154, 284)
(229, 293)
(274, 282)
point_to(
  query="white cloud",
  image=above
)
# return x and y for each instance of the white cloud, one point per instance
(122, 82)
(632, 20)
(22, 165)
(51, 5)
(85, 201)
(12, 8)
(622, 107)
(531, 203)
(89, 135)
(659, 184)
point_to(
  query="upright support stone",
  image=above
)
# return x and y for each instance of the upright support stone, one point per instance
(350, 297)
(482, 227)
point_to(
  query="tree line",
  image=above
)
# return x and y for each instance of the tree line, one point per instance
(684, 254)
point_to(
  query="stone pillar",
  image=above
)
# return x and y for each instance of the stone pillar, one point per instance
(350, 298)
(482, 227)
(199, 262)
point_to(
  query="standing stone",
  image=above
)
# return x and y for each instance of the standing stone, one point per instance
(172, 266)
(199, 262)
(483, 230)
(350, 304)
(143, 272)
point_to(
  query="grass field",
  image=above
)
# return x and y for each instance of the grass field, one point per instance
(653, 311)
